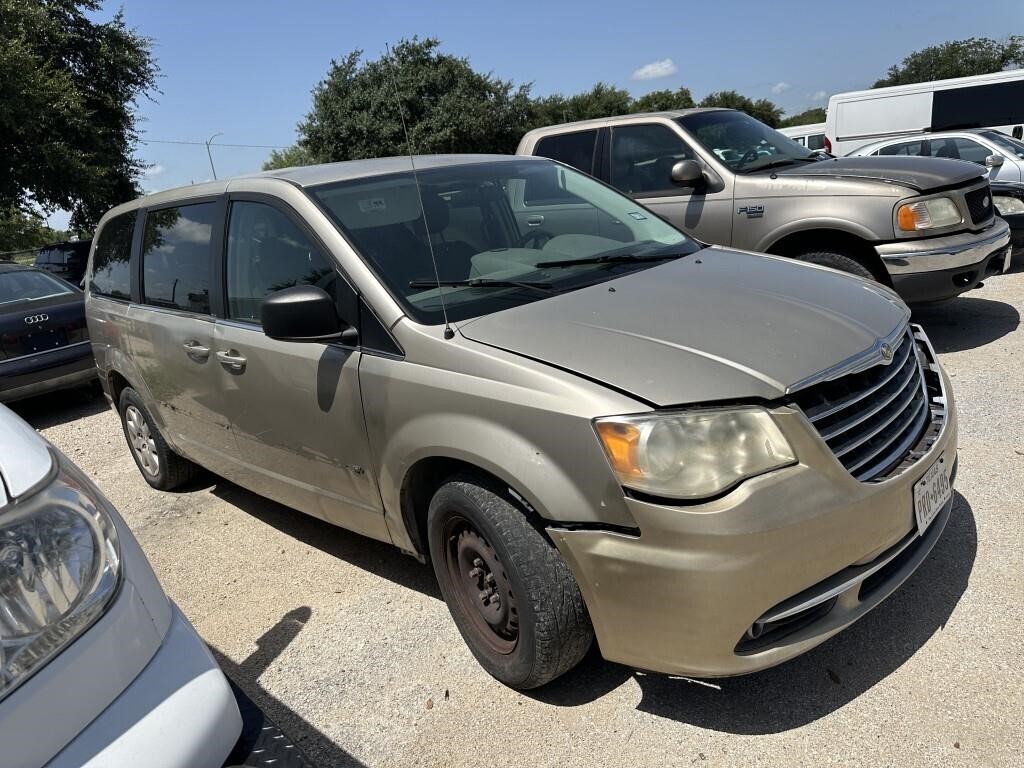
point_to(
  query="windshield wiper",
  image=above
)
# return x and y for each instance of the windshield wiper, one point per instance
(611, 258)
(482, 282)
(780, 162)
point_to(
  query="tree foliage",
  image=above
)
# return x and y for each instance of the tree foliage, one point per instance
(68, 87)
(602, 100)
(448, 107)
(20, 230)
(294, 155)
(762, 109)
(956, 58)
(808, 116)
(659, 101)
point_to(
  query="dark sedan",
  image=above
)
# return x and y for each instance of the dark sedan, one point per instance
(1008, 198)
(44, 343)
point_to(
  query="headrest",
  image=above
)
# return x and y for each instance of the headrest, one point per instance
(436, 212)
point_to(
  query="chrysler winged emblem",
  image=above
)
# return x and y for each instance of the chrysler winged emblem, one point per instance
(887, 353)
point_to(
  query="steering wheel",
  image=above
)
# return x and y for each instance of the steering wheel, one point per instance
(538, 236)
(749, 156)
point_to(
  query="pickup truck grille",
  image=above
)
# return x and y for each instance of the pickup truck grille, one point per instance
(979, 203)
(874, 420)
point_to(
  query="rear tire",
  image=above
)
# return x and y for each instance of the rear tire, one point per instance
(512, 596)
(161, 467)
(839, 261)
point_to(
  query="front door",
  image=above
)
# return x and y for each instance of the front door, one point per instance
(642, 156)
(295, 407)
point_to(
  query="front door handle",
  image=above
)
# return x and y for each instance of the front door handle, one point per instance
(195, 350)
(231, 360)
(535, 220)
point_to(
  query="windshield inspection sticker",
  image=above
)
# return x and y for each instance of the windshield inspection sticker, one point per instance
(638, 216)
(372, 204)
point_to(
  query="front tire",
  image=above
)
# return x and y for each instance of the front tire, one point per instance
(161, 467)
(840, 261)
(512, 596)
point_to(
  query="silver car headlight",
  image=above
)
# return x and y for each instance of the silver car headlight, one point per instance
(693, 454)
(1008, 206)
(60, 567)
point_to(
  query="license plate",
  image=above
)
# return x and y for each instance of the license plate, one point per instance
(931, 493)
(41, 341)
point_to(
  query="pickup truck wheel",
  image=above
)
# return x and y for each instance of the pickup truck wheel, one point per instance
(839, 261)
(512, 596)
(161, 467)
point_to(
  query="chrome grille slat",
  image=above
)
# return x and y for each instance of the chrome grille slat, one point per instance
(827, 409)
(871, 420)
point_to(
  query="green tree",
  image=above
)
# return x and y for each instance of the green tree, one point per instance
(658, 101)
(956, 58)
(19, 230)
(762, 109)
(603, 100)
(294, 155)
(808, 116)
(448, 106)
(68, 88)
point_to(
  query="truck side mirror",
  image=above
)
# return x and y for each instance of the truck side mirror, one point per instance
(993, 161)
(687, 173)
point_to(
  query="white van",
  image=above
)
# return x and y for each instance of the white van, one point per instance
(811, 135)
(982, 101)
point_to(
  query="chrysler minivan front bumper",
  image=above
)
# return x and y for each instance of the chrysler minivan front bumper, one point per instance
(762, 574)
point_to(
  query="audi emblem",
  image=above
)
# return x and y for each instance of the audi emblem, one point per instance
(34, 319)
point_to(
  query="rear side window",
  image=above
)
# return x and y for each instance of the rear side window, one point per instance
(111, 274)
(911, 148)
(575, 149)
(267, 252)
(176, 257)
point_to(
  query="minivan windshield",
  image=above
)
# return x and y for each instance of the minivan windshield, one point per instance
(743, 143)
(503, 233)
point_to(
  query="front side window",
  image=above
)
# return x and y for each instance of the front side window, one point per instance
(743, 143)
(29, 285)
(643, 156)
(111, 273)
(960, 149)
(267, 252)
(489, 259)
(176, 257)
(904, 149)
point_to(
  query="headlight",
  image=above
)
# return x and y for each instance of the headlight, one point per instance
(692, 454)
(928, 214)
(1008, 206)
(60, 566)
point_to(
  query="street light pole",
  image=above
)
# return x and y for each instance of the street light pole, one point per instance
(210, 154)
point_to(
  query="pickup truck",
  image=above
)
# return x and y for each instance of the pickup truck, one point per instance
(923, 226)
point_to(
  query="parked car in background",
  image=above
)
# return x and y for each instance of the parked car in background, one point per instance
(65, 260)
(564, 405)
(923, 226)
(811, 135)
(98, 669)
(1002, 155)
(1008, 198)
(44, 343)
(993, 101)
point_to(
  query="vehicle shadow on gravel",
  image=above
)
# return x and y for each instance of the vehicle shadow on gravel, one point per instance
(819, 682)
(55, 408)
(967, 323)
(369, 554)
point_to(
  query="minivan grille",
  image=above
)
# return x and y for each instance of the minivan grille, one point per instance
(979, 203)
(872, 419)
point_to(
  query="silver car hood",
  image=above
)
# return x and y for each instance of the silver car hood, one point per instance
(25, 459)
(717, 325)
(920, 173)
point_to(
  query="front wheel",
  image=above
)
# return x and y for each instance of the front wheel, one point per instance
(512, 596)
(839, 261)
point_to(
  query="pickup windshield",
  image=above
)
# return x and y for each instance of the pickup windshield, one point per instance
(502, 233)
(743, 143)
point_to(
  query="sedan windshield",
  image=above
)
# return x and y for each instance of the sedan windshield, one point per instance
(743, 143)
(502, 233)
(29, 285)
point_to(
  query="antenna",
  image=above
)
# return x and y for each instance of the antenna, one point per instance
(448, 332)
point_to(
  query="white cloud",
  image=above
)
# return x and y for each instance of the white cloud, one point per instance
(818, 96)
(780, 87)
(153, 171)
(656, 69)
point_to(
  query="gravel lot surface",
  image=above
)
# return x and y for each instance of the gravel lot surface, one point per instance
(347, 645)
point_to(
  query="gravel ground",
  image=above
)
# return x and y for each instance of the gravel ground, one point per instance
(347, 645)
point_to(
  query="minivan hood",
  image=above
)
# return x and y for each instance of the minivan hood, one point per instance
(921, 173)
(716, 325)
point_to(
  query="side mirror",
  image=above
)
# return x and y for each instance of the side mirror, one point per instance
(304, 313)
(993, 161)
(687, 173)
(1018, 132)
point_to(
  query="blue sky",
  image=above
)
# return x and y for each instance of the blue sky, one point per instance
(245, 68)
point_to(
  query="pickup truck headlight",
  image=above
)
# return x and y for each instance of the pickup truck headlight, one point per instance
(928, 214)
(1008, 206)
(693, 454)
(60, 566)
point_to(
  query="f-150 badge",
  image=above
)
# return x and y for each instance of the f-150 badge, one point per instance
(752, 211)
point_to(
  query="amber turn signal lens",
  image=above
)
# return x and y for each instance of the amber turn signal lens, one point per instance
(906, 218)
(621, 442)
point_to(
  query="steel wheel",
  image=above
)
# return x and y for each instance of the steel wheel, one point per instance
(481, 585)
(141, 440)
